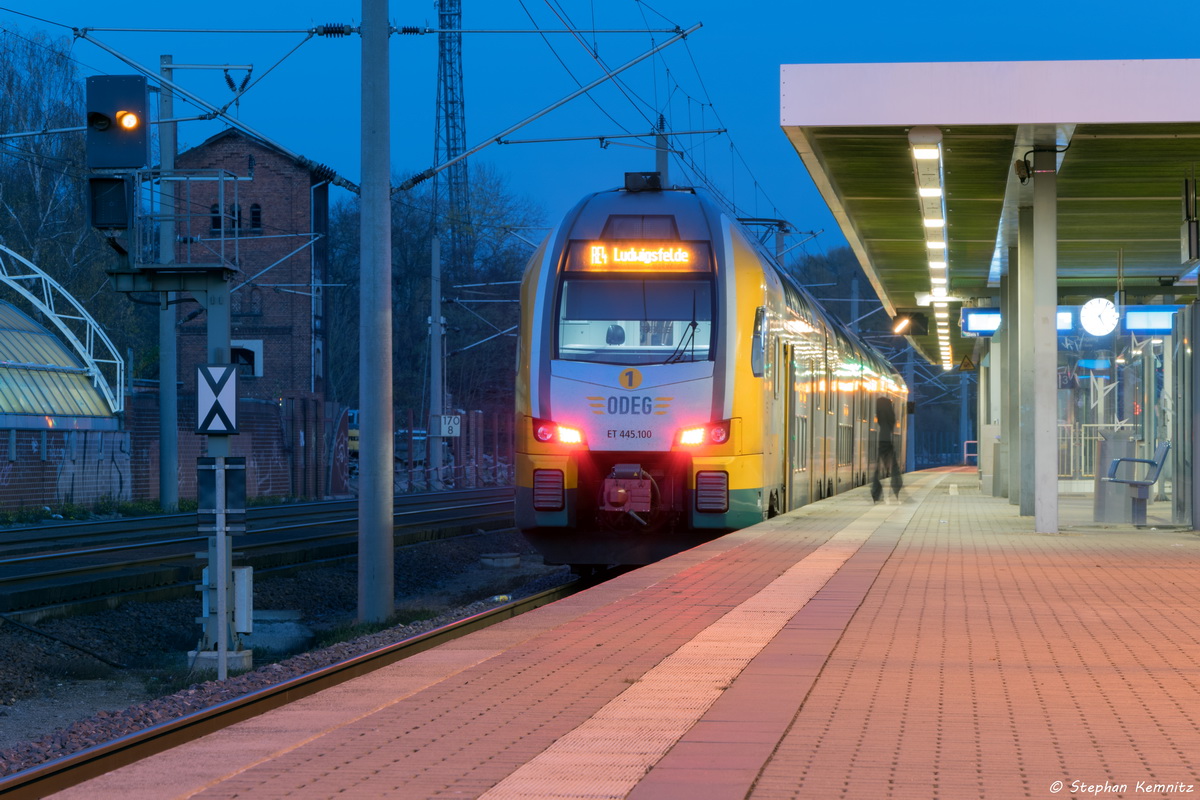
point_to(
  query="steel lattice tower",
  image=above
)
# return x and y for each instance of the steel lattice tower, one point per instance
(450, 140)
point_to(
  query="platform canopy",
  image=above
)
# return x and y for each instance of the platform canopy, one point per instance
(1127, 135)
(43, 384)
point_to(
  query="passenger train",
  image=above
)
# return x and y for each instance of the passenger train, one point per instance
(675, 384)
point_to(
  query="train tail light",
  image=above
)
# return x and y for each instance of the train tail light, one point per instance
(548, 494)
(712, 491)
(547, 432)
(716, 433)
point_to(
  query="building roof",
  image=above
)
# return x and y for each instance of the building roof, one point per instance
(318, 171)
(43, 385)
(1125, 136)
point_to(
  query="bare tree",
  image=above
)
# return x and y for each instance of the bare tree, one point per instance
(482, 375)
(43, 212)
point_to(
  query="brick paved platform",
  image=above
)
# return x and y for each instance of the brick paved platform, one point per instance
(934, 648)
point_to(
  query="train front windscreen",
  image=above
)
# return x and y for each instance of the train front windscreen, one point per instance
(624, 303)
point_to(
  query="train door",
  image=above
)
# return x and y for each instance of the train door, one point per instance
(844, 419)
(774, 424)
(822, 450)
(832, 409)
(815, 411)
(799, 490)
(864, 435)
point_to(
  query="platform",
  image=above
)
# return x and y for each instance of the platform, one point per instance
(932, 648)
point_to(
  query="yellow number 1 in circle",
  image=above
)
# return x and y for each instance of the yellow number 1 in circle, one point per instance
(631, 379)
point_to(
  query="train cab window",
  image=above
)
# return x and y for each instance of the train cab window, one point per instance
(635, 320)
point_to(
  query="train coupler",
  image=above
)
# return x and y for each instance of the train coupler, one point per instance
(627, 489)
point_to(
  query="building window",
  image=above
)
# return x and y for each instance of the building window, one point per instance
(214, 213)
(244, 360)
(256, 218)
(255, 301)
(247, 355)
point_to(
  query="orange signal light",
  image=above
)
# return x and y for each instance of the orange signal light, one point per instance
(128, 120)
(692, 436)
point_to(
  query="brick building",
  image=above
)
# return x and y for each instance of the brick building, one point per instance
(267, 219)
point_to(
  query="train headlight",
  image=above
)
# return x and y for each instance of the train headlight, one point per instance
(547, 432)
(569, 435)
(716, 433)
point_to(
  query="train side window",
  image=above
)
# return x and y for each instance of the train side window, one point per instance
(778, 361)
(758, 342)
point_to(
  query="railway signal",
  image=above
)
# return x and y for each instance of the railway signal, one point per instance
(118, 134)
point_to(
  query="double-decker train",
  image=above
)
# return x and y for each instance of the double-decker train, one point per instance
(674, 383)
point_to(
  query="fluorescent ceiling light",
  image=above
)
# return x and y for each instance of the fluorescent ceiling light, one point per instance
(938, 291)
(937, 264)
(926, 152)
(935, 280)
(932, 222)
(936, 245)
(930, 191)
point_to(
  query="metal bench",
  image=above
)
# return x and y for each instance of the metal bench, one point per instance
(1139, 488)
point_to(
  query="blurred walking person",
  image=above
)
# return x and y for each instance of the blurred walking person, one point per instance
(885, 449)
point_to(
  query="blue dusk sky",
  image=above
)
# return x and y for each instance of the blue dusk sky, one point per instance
(726, 75)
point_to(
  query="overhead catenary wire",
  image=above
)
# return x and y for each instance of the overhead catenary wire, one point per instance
(429, 173)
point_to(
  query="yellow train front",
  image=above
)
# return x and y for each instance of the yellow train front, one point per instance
(673, 385)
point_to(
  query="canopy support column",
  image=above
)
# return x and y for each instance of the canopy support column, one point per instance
(1045, 340)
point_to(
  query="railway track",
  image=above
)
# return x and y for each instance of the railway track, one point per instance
(72, 770)
(85, 567)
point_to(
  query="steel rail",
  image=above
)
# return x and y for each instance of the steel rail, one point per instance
(101, 563)
(145, 543)
(131, 525)
(72, 770)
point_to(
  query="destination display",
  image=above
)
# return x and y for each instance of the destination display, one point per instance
(626, 256)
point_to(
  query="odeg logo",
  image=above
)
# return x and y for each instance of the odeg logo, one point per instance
(630, 405)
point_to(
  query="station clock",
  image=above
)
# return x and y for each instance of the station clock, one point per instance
(1099, 316)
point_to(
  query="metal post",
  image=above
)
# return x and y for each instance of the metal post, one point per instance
(854, 304)
(436, 400)
(376, 553)
(964, 424)
(216, 305)
(910, 445)
(217, 308)
(168, 368)
(1027, 374)
(1009, 421)
(662, 156)
(1045, 340)
(1193, 389)
(222, 568)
